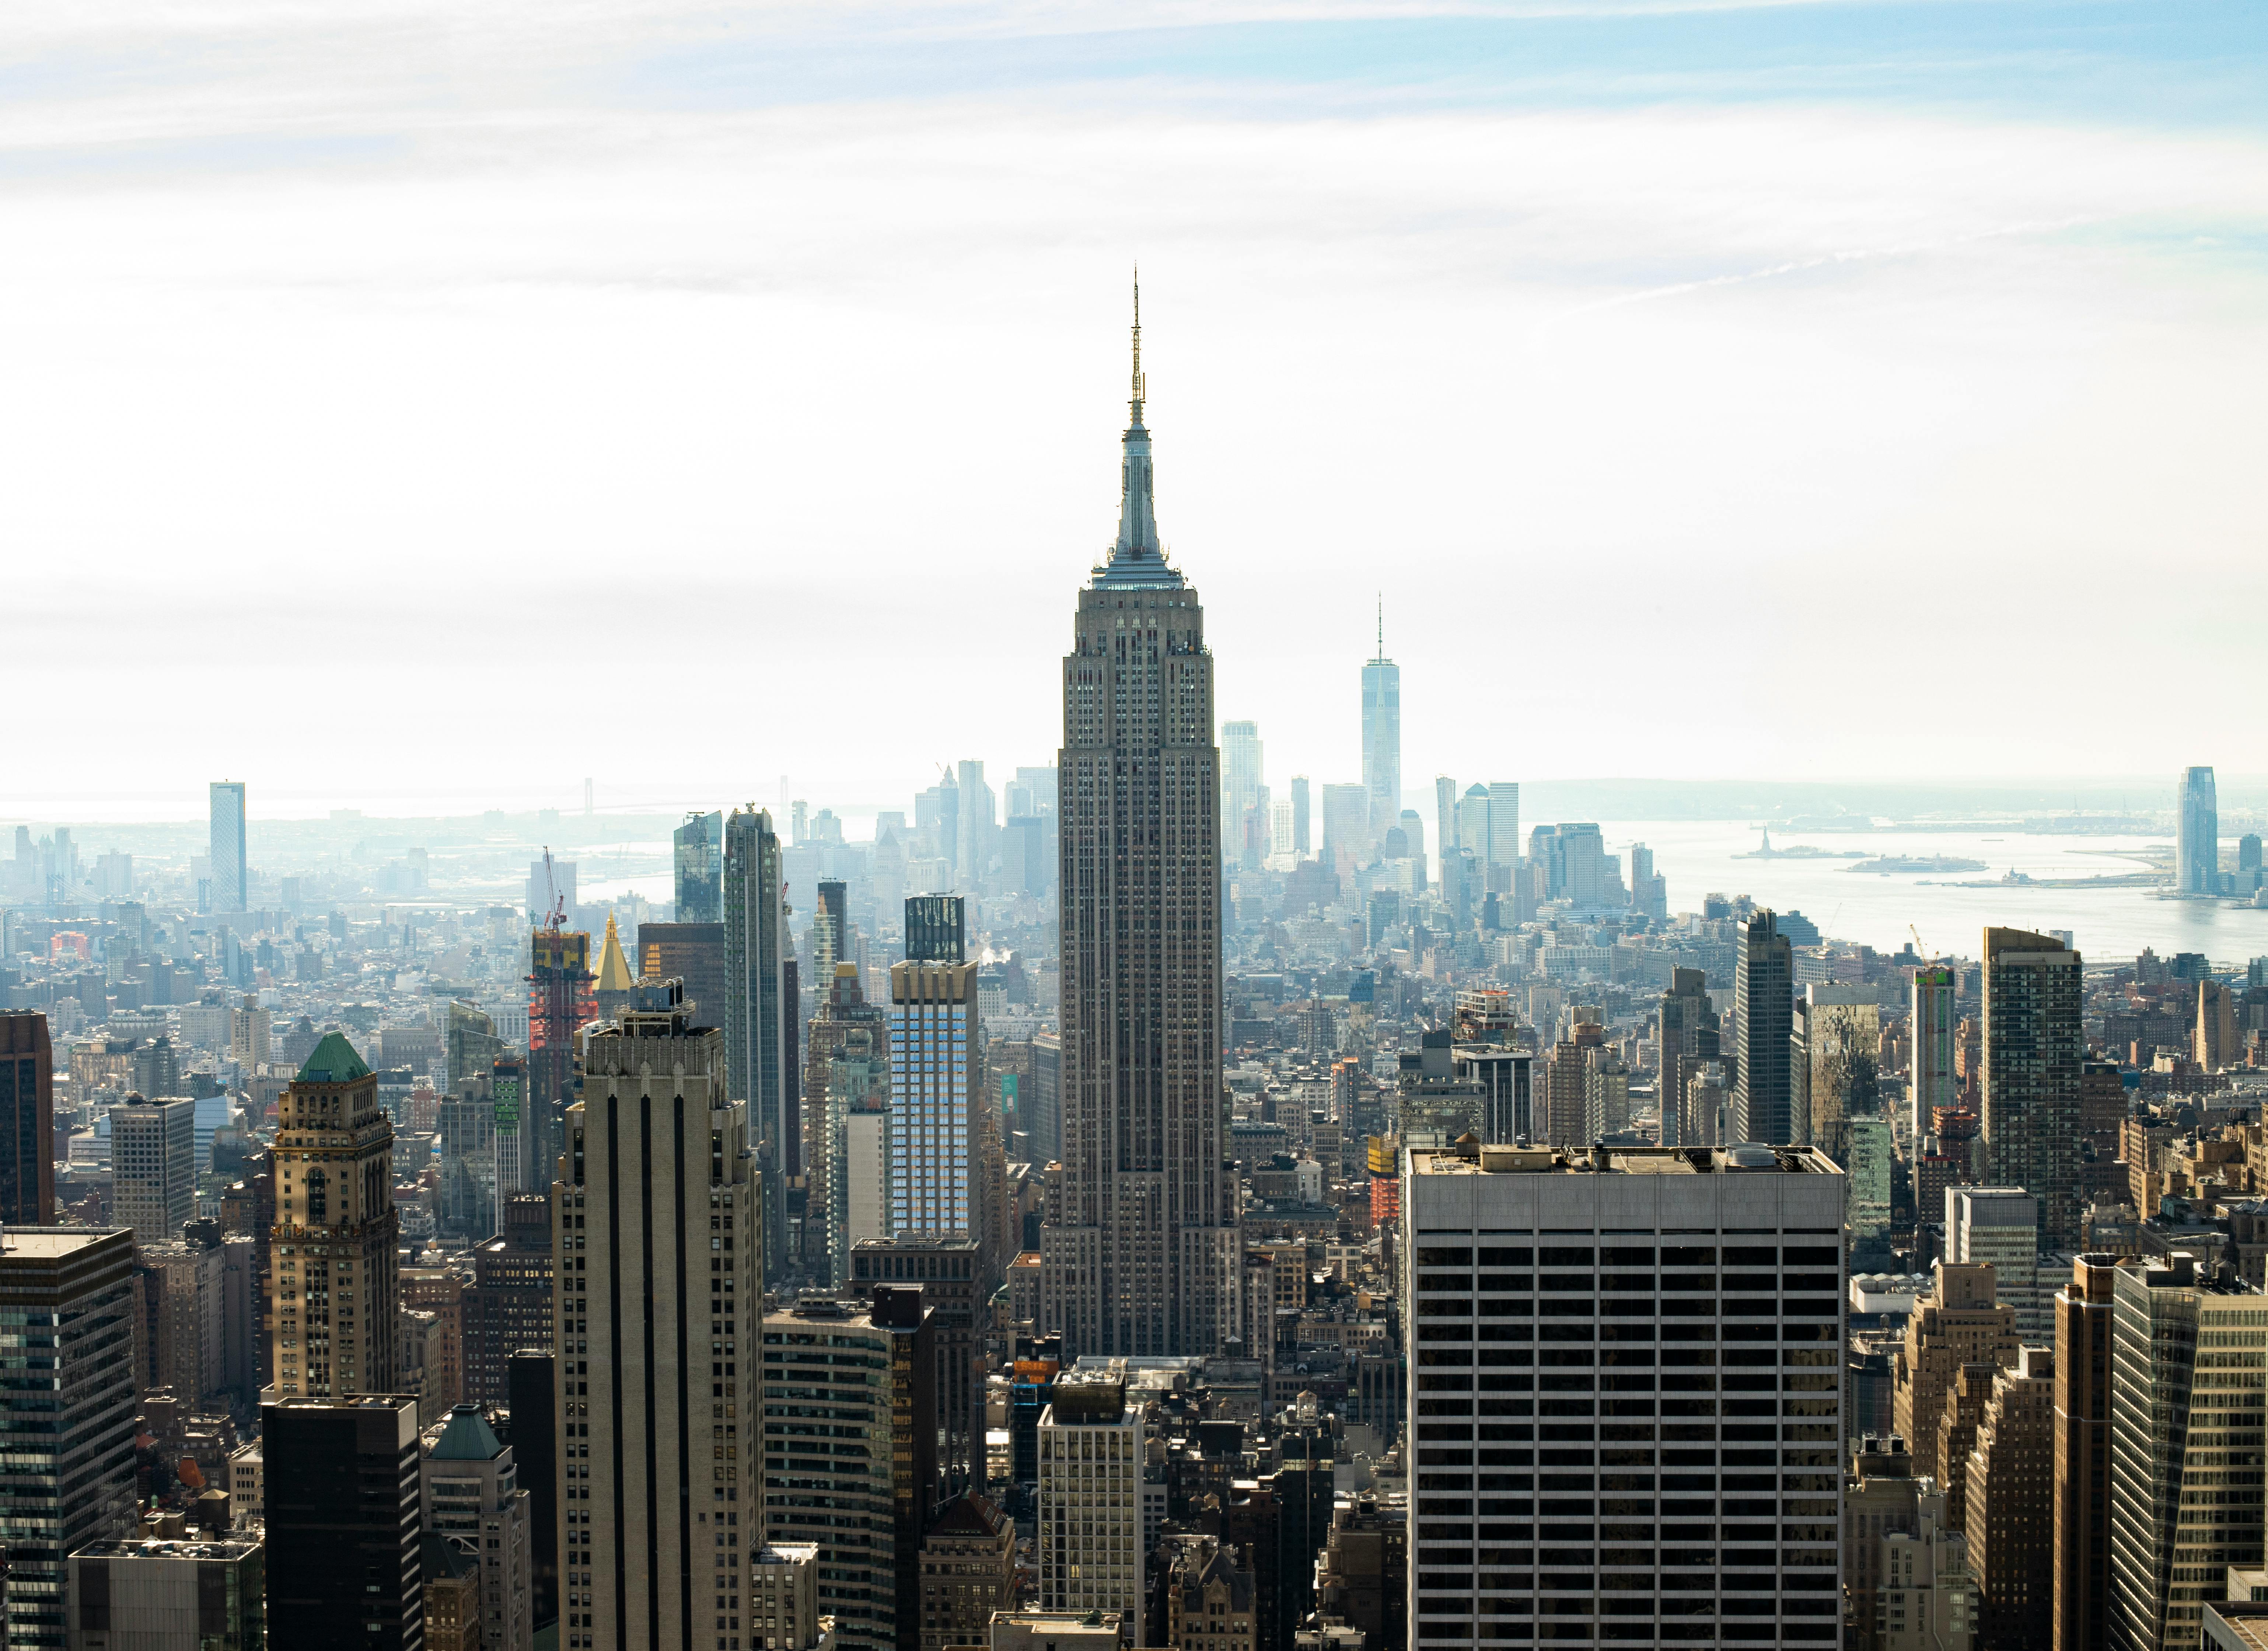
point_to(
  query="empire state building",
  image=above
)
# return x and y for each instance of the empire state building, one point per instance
(1141, 1253)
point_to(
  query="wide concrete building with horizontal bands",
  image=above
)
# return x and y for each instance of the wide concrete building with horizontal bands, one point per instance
(1626, 1411)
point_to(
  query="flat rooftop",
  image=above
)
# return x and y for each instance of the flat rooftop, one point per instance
(166, 1547)
(1625, 1161)
(49, 1243)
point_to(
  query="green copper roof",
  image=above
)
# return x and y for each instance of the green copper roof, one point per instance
(467, 1438)
(334, 1061)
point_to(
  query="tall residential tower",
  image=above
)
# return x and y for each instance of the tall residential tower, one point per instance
(1144, 1256)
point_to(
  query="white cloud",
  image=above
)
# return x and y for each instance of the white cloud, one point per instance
(1680, 441)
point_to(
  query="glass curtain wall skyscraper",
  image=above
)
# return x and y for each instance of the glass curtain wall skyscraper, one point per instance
(2197, 842)
(1144, 1255)
(1381, 735)
(758, 1007)
(226, 844)
(699, 852)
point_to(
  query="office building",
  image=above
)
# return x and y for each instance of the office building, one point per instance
(2081, 1560)
(473, 1502)
(2185, 1409)
(974, 827)
(611, 982)
(183, 1344)
(209, 1593)
(1091, 1547)
(1302, 821)
(759, 1009)
(507, 1307)
(830, 929)
(68, 1405)
(533, 1384)
(846, 1089)
(1243, 779)
(343, 1508)
(1444, 824)
(783, 1596)
(2009, 1513)
(2001, 1225)
(833, 1372)
(2196, 834)
(248, 1033)
(516, 1135)
(1934, 1030)
(968, 1572)
(1840, 1030)
(1764, 1015)
(232, 882)
(1142, 1257)
(2034, 1050)
(1382, 734)
(944, 1132)
(334, 1249)
(660, 1277)
(693, 953)
(1503, 824)
(27, 1120)
(1927, 1600)
(1209, 1598)
(1346, 827)
(1958, 1324)
(1668, 1277)
(1689, 1036)
(949, 1272)
(697, 856)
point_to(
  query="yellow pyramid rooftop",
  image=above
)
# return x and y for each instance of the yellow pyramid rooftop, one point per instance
(614, 969)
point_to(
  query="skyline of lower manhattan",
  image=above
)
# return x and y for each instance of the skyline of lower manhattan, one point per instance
(1614, 991)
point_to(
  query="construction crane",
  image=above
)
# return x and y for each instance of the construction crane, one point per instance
(1920, 950)
(555, 908)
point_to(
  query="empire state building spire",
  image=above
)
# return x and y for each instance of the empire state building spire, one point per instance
(1137, 557)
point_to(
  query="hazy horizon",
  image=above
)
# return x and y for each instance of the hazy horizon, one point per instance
(657, 390)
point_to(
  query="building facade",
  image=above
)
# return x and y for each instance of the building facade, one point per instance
(2033, 1049)
(1381, 735)
(1763, 1017)
(68, 1404)
(473, 1502)
(2081, 1534)
(2196, 837)
(334, 1249)
(759, 1009)
(658, 1249)
(1611, 1349)
(344, 1511)
(153, 1166)
(224, 843)
(27, 1120)
(1091, 1549)
(1143, 1257)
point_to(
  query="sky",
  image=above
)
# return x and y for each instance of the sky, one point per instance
(412, 405)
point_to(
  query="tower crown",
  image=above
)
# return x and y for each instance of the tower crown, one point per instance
(1137, 559)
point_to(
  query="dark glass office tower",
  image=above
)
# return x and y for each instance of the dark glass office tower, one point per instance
(936, 930)
(758, 1009)
(27, 1121)
(1763, 1021)
(699, 845)
(343, 1504)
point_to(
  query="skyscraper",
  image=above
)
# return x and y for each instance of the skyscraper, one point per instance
(1243, 774)
(936, 1056)
(758, 1006)
(226, 844)
(660, 1273)
(699, 846)
(1346, 825)
(1503, 822)
(1764, 1015)
(342, 1497)
(2197, 841)
(2033, 1049)
(1144, 1256)
(153, 1167)
(27, 1121)
(68, 1403)
(1381, 733)
(2083, 1452)
(1444, 822)
(1935, 1029)
(830, 929)
(334, 1244)
(1689, 1037)
(1636, 1552)
(1302, 825)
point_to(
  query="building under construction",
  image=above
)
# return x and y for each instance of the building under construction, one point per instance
(559, 1001)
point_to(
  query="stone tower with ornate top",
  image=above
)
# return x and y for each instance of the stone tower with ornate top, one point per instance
(1141, 1256)
(333, 1248)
